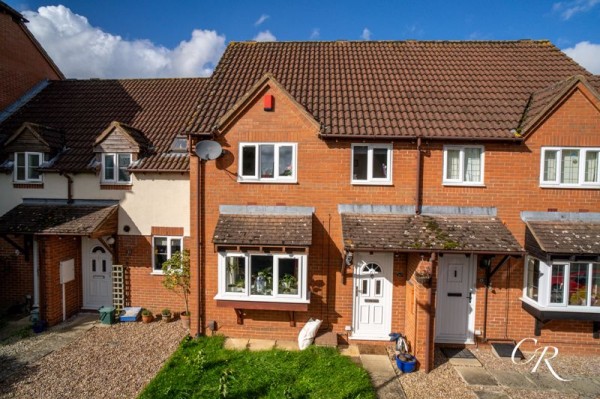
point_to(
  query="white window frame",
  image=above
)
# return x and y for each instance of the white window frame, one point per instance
(370, 180)
(461, 172)
(545, 288)
(581, 176)
(293, 178)
(27, 167)
(117, 166)
(301, 297)
(169, 251)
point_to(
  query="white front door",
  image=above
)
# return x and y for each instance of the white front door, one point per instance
(97, 275)
(373, 296)
(455, 308)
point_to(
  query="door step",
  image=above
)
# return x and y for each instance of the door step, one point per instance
(504, 350)
(460, 357)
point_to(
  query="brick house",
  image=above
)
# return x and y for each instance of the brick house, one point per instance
(445, 190)
(94, 173)
(24, 64)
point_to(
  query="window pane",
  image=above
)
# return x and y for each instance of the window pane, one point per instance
(175, 245)
(288, 276)
(235, 274)
(360, 157)
(570, 167)
(591, 167)
(452, 164)
(20, 164)
(261, 274)
(34, 161)
(109, 167)
(365, 287)
(124, 162)
(550, 165)
(380, 163)
(595, 285)
(578, 284)
(378, 287)
(286, 160)
(472, 165)
(557, 293)
(248, 161)
(533, 278)
(160, 252)
(267, 160)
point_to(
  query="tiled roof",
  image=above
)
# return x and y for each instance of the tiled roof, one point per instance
(54, 138)
(474, 90)
(53, 219)
(427, 233)
(274, 230)
(85, 108)
(566, 237)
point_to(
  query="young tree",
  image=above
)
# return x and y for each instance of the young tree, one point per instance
(177, 275)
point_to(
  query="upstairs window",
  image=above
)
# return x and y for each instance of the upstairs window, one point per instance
(26, 164)
(570, 167)
(164, 247)
(463, 165)
(114, 168)
(268, 162)
(371, 163)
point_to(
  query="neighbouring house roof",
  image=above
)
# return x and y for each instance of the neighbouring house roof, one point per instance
(264, 230)
(60, 219)
(54, 139)
(83, 109)
(445, 233)
(401, 89)
(564, 237)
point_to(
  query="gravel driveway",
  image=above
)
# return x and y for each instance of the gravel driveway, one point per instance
(106, 362)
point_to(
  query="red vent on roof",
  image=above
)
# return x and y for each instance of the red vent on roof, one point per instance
(268, 102)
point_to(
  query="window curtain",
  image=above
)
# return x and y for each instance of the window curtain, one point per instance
(453, 165)
(570, 166)
(550, 166)
(591, 167)
(473, 164)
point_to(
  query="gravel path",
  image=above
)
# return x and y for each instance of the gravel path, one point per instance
(106, 362)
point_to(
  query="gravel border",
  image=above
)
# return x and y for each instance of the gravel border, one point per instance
(106, 362)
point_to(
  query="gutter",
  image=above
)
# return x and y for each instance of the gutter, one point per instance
(387, 138)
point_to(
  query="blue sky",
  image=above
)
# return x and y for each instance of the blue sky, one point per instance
(143, 39)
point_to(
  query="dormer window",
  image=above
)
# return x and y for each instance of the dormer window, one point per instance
(114, 168)
(26, 165)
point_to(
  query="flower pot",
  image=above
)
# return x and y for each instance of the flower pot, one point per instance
(185, 319)
(147, 319)
(423, 279)
(166, 318)
(408, 365)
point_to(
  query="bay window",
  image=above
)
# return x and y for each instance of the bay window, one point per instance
(371, 163)
(26, 164)
(262, 277)
(268, 162)
(463, 165)
(570, 167)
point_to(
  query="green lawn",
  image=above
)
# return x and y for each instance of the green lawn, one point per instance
(201, 368)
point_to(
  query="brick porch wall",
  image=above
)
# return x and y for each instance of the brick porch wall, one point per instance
(16, 275)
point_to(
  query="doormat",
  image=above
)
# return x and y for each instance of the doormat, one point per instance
(505, 350)
(458, 353)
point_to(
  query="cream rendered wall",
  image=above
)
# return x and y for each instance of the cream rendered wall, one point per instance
(154, 200)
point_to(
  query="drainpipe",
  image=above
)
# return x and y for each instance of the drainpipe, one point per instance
(69, 187)
(199, 231)
(419, 177)
(36, 274)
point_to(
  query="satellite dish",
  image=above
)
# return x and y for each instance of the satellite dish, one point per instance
(208, 150)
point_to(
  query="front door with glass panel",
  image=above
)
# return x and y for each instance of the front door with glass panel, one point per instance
(373, 296)
(97, 276)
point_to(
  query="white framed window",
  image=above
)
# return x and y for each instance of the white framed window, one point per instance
(163, 247)
(263, 277)
(371, 163)
(570, 167)
(563, 285)
(114, 168)
(464, 165)
(268, 162)
(26, 164)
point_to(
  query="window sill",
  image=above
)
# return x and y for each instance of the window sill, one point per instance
(32, 185)
(371, 183)
(105, 186)
(560, 313)
(244, 302)
(157, 273)
(570, 187)
(268, 181)
(449, 184)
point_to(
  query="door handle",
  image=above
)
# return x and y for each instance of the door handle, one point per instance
(469, 297)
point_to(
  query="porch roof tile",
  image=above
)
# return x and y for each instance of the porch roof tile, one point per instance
(273, 230)
(566, 237)
(448, 233)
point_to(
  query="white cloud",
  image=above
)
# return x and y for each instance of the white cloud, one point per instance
(568, 9)
(315, 33)
(366, 34)
(587, 55)
(84, 51)
(265, 36)
(261, 19)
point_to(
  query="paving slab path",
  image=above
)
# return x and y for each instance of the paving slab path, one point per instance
(383, 376)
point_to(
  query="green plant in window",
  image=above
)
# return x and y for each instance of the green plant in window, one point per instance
(579, 297)
(288, 284)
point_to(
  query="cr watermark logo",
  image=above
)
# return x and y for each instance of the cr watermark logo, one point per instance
(544, 351)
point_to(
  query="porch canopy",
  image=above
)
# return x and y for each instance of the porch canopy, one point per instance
(59, 218)
(458, 233)
(263, 226)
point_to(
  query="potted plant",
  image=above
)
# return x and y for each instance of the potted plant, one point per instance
(289, 284)
(177, 279)
(146, 316)
(424, 273)
(166, 315)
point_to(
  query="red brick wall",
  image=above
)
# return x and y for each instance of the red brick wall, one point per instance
(21, 65)
(16, 275)
(53, 250)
